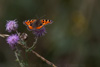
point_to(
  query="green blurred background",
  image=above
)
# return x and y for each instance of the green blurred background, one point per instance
(73, 40)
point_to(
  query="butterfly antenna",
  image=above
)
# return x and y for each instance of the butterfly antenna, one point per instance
(37, 16)
(42, 16)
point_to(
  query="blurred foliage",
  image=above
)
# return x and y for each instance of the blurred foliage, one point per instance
(71, 41)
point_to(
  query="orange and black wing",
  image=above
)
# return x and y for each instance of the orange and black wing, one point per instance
(44, 22)
(29, 24)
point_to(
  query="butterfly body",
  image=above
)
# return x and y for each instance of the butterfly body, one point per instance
(36, 23)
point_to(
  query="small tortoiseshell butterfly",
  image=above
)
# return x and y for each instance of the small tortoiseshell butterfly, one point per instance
(37, 24)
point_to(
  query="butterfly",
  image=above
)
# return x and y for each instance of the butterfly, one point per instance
(36, 23)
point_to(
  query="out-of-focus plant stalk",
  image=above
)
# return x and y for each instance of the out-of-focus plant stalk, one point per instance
(38, 55)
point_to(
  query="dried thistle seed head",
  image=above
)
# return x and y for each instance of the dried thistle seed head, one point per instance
(23, 36)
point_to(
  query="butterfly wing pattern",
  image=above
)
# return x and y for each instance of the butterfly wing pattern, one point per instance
(29, 24)
(37, 24)
(45, 22)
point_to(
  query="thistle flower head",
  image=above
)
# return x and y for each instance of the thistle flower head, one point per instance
(39, 32)
(12, 40)
(11, 25)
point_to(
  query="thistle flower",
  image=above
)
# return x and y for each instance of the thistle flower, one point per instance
(12, 40)
(39, 32)
(11, 25)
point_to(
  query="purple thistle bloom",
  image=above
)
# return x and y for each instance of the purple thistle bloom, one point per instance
(39, 32)
(12, 40)
(11, 25)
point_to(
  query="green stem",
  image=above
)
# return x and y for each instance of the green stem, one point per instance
(17, 58)
(34, 43)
